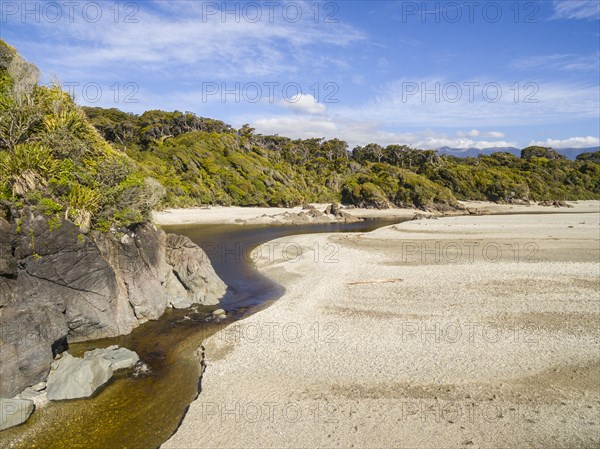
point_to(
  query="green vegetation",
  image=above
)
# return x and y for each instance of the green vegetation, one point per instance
(103, 167)
(203, 161)
(54, 160)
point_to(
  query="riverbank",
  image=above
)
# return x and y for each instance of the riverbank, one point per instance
(254, 215)
(474, 331)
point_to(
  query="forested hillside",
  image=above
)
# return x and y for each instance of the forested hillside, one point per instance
(205, 161)
(103, 167)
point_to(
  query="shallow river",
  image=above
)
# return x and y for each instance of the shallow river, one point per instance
(144, 412)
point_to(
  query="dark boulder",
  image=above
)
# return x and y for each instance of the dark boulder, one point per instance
(59, 285)
(27, 334)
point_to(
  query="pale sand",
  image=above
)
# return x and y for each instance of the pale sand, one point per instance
(229, 215)
(379, 342)
(256, 215)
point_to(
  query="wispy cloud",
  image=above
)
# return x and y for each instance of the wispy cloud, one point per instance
(178, 39)
(487, 103)
(571, 142)
(477, 133)
(576, 9)
(562, 62)
(297, 127)
(393, 109)
(363, 132)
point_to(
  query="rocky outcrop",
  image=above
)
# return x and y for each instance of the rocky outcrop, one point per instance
(309, 215)
(14, 412)
(119, 358)
(36, 393)
(191, 272)
(554, 203)
(73, 377)
(28, 332)
(58, 285)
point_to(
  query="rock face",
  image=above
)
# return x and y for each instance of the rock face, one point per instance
(192, 272)
(72, 377)
(14, 412)
(58, 285)
(119, 358)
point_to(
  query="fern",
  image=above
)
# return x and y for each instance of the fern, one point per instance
(27, 168)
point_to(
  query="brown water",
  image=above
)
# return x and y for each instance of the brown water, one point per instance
(144, 412)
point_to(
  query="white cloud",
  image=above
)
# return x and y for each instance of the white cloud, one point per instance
(477, 133)
(304, 104)
(576, 9)
(562, 62)
(571, 142)
(357, 132)
(296, 127)
(175, 40)
(488, 103)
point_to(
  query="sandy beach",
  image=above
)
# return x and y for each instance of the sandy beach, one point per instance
(258, 215)
(470, 331)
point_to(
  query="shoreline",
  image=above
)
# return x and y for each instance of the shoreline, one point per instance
(229, 214)
(313, 373)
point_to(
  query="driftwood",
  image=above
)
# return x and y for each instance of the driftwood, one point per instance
(376, 281)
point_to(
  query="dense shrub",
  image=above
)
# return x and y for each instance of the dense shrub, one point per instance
(52, 157)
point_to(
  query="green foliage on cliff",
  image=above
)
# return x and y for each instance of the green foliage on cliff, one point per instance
(52, 158)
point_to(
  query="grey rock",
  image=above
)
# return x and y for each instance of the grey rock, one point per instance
(14, 412)
(27, 334)
(119, 358)
(39, 398)
(178, 295)
(332, 209)
(219, 312)
(194, 272)
(8, 263)
(39, 386)
(7, 288)
(143, 268)
(346, 217)
(73, 377)
(180, 302)
(60, 285)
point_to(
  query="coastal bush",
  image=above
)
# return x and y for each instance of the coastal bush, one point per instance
(418, 191)
(238, 167)
(26, 168)
(53, 158)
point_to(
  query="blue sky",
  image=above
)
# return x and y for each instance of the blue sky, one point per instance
(427, 74)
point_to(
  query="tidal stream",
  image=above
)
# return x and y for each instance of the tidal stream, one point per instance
(143, 412)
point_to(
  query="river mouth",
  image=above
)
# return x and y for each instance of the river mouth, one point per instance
(143, 412)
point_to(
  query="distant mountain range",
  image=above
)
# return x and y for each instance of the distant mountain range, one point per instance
(570, 153)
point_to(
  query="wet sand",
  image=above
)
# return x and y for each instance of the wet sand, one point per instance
(474, 331)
